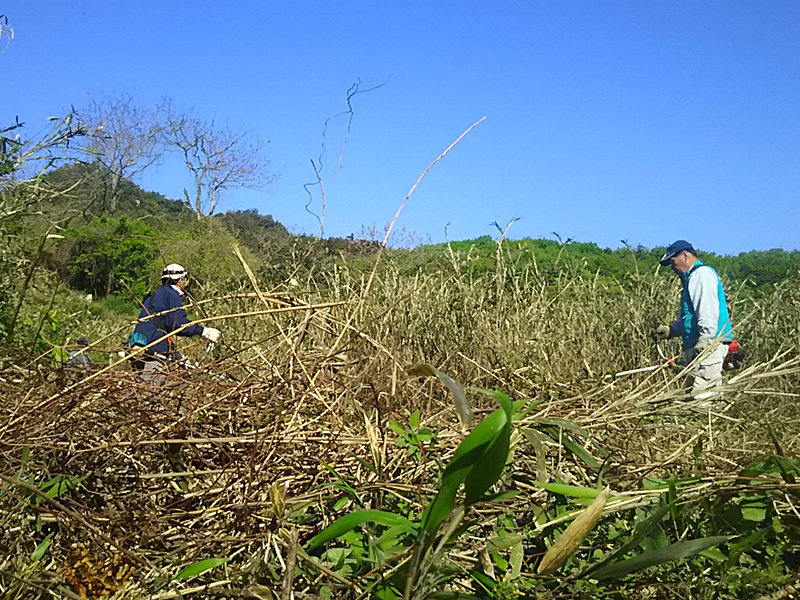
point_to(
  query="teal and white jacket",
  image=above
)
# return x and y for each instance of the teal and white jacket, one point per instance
(703, 312)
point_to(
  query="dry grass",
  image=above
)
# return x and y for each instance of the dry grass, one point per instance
(225, 460)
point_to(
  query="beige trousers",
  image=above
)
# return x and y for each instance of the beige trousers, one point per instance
(707, 374)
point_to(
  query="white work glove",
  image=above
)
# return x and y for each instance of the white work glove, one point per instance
(211, 334)
(701, 344)
(661, 332)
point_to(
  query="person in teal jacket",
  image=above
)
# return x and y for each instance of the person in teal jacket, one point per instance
(703, 322)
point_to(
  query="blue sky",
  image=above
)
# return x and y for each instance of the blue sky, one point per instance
(644, 121)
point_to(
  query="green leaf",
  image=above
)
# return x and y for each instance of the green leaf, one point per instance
(58, 485)
(490, 464)
(397, 428)
(524, 407)
(698, 448)
(502, 542)
(41, 548)
(563, 424)
(537, 439)
(483, 580)
(463, 408)
(356, 518)
(478, 462)
(569, 490)
(714, 554)
(754, 509)
(499, 496)
(200, 567)
(640, 533)
(676, 551)
(414, 420)
(515, 559)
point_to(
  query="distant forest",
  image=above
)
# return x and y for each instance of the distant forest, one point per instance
(108, 250)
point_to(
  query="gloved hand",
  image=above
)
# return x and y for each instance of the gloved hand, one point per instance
(661, 332)
(701, 344)
(211, 334)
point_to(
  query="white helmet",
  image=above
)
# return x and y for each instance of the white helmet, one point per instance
(173, 272)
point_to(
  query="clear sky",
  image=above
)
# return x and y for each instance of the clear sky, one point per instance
(605, 120)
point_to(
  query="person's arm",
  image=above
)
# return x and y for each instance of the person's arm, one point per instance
(676, 328)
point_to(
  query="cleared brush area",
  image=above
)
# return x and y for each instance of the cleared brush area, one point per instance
(223, 482)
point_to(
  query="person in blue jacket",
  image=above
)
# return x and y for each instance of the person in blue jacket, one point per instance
(162, 314)
(703, 322)
(79, 362)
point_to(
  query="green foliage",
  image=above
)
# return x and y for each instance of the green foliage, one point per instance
(260, 233)
(110, 254)
(199, 567)
(476, 466)
(413, 437)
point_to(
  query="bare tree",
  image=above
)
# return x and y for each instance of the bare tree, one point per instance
(6, 33)
(219, 159)
(124, 138)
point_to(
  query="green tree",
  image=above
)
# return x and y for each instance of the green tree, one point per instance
(109, 250)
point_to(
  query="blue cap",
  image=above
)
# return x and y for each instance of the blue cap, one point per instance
(674, 249)
(82, 341)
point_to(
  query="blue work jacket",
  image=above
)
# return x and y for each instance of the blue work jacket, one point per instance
(166, 298)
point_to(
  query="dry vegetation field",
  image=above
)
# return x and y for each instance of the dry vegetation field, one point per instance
(221, 483)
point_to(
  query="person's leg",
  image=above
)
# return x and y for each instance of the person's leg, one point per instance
(708, 374)
(153, 373)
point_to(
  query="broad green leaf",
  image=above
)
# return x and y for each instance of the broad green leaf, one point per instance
(486, 582)
(390, 538)
(397, 428)
(655, 483)
(754, 512)
(463, 408)
(200, 567)
(714, 554)
(414, 420)
(515, 559)
(774, 466)
(441, 505)
(569, 490)
(479, 458)
(356, 518)
(676, 551)
(502, 542)
(41, 548)
(490, 464)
